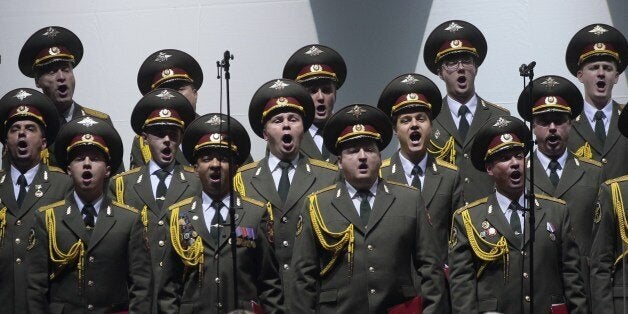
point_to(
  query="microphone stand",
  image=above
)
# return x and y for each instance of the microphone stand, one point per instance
(224, 64)
(528, 71)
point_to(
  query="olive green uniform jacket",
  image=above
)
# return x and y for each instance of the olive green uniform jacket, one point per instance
(116, 274)
(379, 273)
(446, 144)
(16, 224)
(212, 290)
(502, 284)
(134, 189)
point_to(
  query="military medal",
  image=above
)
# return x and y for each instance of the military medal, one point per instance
(551, 229)
(39, 193)
(485, 225)
(492, 231)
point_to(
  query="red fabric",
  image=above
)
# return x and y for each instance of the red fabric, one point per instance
(413, 306)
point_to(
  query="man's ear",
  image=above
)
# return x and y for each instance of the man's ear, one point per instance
(489, 168)
(107, 171)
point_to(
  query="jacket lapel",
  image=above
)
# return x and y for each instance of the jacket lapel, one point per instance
(301, 182)
(570, 176)
(239, 213)
(104, 223)
(199, 224)
(448, 123)
(382, 203)
(538, 217)
(432, 181)
(613, 132)
(144, 189)
(583, 127)
(309, 148)
(541, 180)
(178, 185)
(345, 207)
(263, 182)
(7, 195)
(73, 219)
(396, 169)
(37, 189)
(497, 219)
(479, 119)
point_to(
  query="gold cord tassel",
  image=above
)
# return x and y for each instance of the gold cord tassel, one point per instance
(499, 249)
(58, 257)
(618, 206)
(238, 184)
(584, 151)
(3, 224)
(192, 255)
(45, 157)
(145, 150)
(120, 189)
(345, 237)
(447, 152)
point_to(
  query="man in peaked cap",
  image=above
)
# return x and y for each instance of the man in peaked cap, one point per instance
(362, 239)
(322, 71)
(50, 56)
(279, 112)
(217, 149)
(608, 251)
(160, 117)
(557, 171)
(167, 68)
(489, 244)
(412, 102)
(454, 51)
(89, 252)
(30, 122)
(597, 55)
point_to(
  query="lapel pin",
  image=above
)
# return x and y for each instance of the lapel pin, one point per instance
(236, 216)
(437, 134)
(2, 179)
(492, 231)
(39, 193)
(394, 168)
(258, 171)
(182, 176)
(338, 193)
(483, 234)
(536, 202)
(69, 210)
(552, 237)
(307, 168)
(46, 175)
(490, 209)
(485, 225)
(139, 179)
(194, 217)
(108, 210)
(238, 202)
(386, 188)
(434, 167)
(577, 162)
(194, 205)
(37, 186)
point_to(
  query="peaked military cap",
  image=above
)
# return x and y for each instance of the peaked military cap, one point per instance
(162, 106)
(278, 96)
(88, 131)
(316, 62)
(28, 104)
(211, 132)
(497, 135)
(408, 93)
(623, 121)
(451, 38)
(355, 122)
(596, 42)
(47, 45)
(550, 93)
(167, 66)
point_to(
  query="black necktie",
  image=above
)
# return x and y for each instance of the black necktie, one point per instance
(284, 181)
(21, 181)
(89, 212)
(599, 125)
(515, 221)
(217, 221)
(324, 151)
(463, 126)
(553, 166)
(365, 206)
(416, 173)
(162, 189)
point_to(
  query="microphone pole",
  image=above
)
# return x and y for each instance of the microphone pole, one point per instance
(224, 63)
(528, 71)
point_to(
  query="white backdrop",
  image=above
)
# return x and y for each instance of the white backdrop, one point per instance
(379, 40)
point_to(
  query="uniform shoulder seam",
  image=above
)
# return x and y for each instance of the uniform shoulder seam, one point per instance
(53, 205)
(549, 198)
(188, 169)
(95, 113)
(252, 201)
(618, 179)
(470, 205)
(496, 106)
(128, 172)
(385, 163)
(248, 166)
(125, 206)
(182, 202)
(331, 187)
(55, 169)
(589, 161)
(322, 164)
(401, 184)
(445, 164)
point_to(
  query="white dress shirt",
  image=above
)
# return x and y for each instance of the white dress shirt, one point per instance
(357, 199)
(80, 204)
(154, 179)
(590, 110)
(209, 211)
(408, 166)
(454, 106)
(29, 175)
(544, 160)
(273, 165)
(504, 203)
(318, 139)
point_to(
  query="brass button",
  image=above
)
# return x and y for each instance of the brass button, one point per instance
(18, 260)
(284, 219)
(219, 305)
(17, 241)
(285, 243)
(527, 298)
(215, 256)
(18, 222)
(217, 280)
(371, 269)
(286, 266)
(373, 291)
(466, 180)
(161, 264)
(91, 259)
(162, 243)
(161, 222)
(524, 253)
(604, 160)
(90, 283)
(525, 275)
(369, 247)
(90, 307)
(466, 155)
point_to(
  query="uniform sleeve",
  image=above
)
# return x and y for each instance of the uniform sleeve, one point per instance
(427, 262)
(306, 266)
(140, 270)
(573, 283)
(602, 254)
(269, 287)
(37, 259)
(462, 277)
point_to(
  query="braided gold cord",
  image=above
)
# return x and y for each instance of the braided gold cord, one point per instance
(499, 249)
(618, 206)
(58, 257)
(584, 151)
(269, 209)
(120, 189)
(191, 256)
(145, 150)
(238, 184)
(3, 224)
(45, 157)
(448, 149)
(345, 237)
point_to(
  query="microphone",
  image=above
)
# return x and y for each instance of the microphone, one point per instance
(526, 70)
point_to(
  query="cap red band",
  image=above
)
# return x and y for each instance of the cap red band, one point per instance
(281, 102)
(26, 111)
(410, 100)
(49, 54)
(170, 74)
(502, 142)
(316, 71)
(455, 46)
(88, 139)
(598, 49)
(216, 140)
(551, 104)
(358, 131)
(164, 116)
